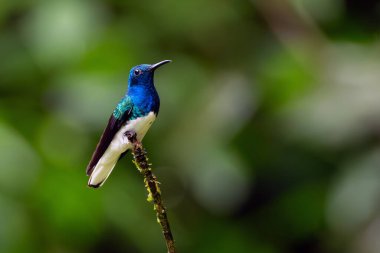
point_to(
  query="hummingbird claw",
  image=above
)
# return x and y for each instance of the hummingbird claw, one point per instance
(131, 135)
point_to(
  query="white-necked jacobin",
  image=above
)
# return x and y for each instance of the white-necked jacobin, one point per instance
(135, 112)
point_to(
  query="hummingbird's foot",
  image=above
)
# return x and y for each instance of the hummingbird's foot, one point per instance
(130, 134)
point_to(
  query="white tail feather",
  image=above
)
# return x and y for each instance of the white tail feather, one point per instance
(101, 172)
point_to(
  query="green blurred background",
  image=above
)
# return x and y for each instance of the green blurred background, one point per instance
(267, 139)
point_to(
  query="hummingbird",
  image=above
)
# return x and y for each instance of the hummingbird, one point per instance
(136, 112)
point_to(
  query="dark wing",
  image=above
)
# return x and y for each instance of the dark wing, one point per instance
(114, 124)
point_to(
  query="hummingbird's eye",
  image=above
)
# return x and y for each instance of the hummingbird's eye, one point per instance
(138, 72)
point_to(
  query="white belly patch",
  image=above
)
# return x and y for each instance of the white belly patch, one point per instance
(140, 126)
(119, 145)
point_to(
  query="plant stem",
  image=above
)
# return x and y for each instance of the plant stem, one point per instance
(152, 186)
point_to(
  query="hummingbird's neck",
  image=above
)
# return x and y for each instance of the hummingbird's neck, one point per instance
(145, 98)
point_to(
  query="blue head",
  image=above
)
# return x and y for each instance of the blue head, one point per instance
(141, 86)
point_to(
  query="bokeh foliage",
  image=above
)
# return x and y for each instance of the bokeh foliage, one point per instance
(267, 139)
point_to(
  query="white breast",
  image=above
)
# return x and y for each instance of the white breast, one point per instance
(140, 126)
(119, 145)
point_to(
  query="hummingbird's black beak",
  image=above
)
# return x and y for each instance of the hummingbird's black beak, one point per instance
(158, 64)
